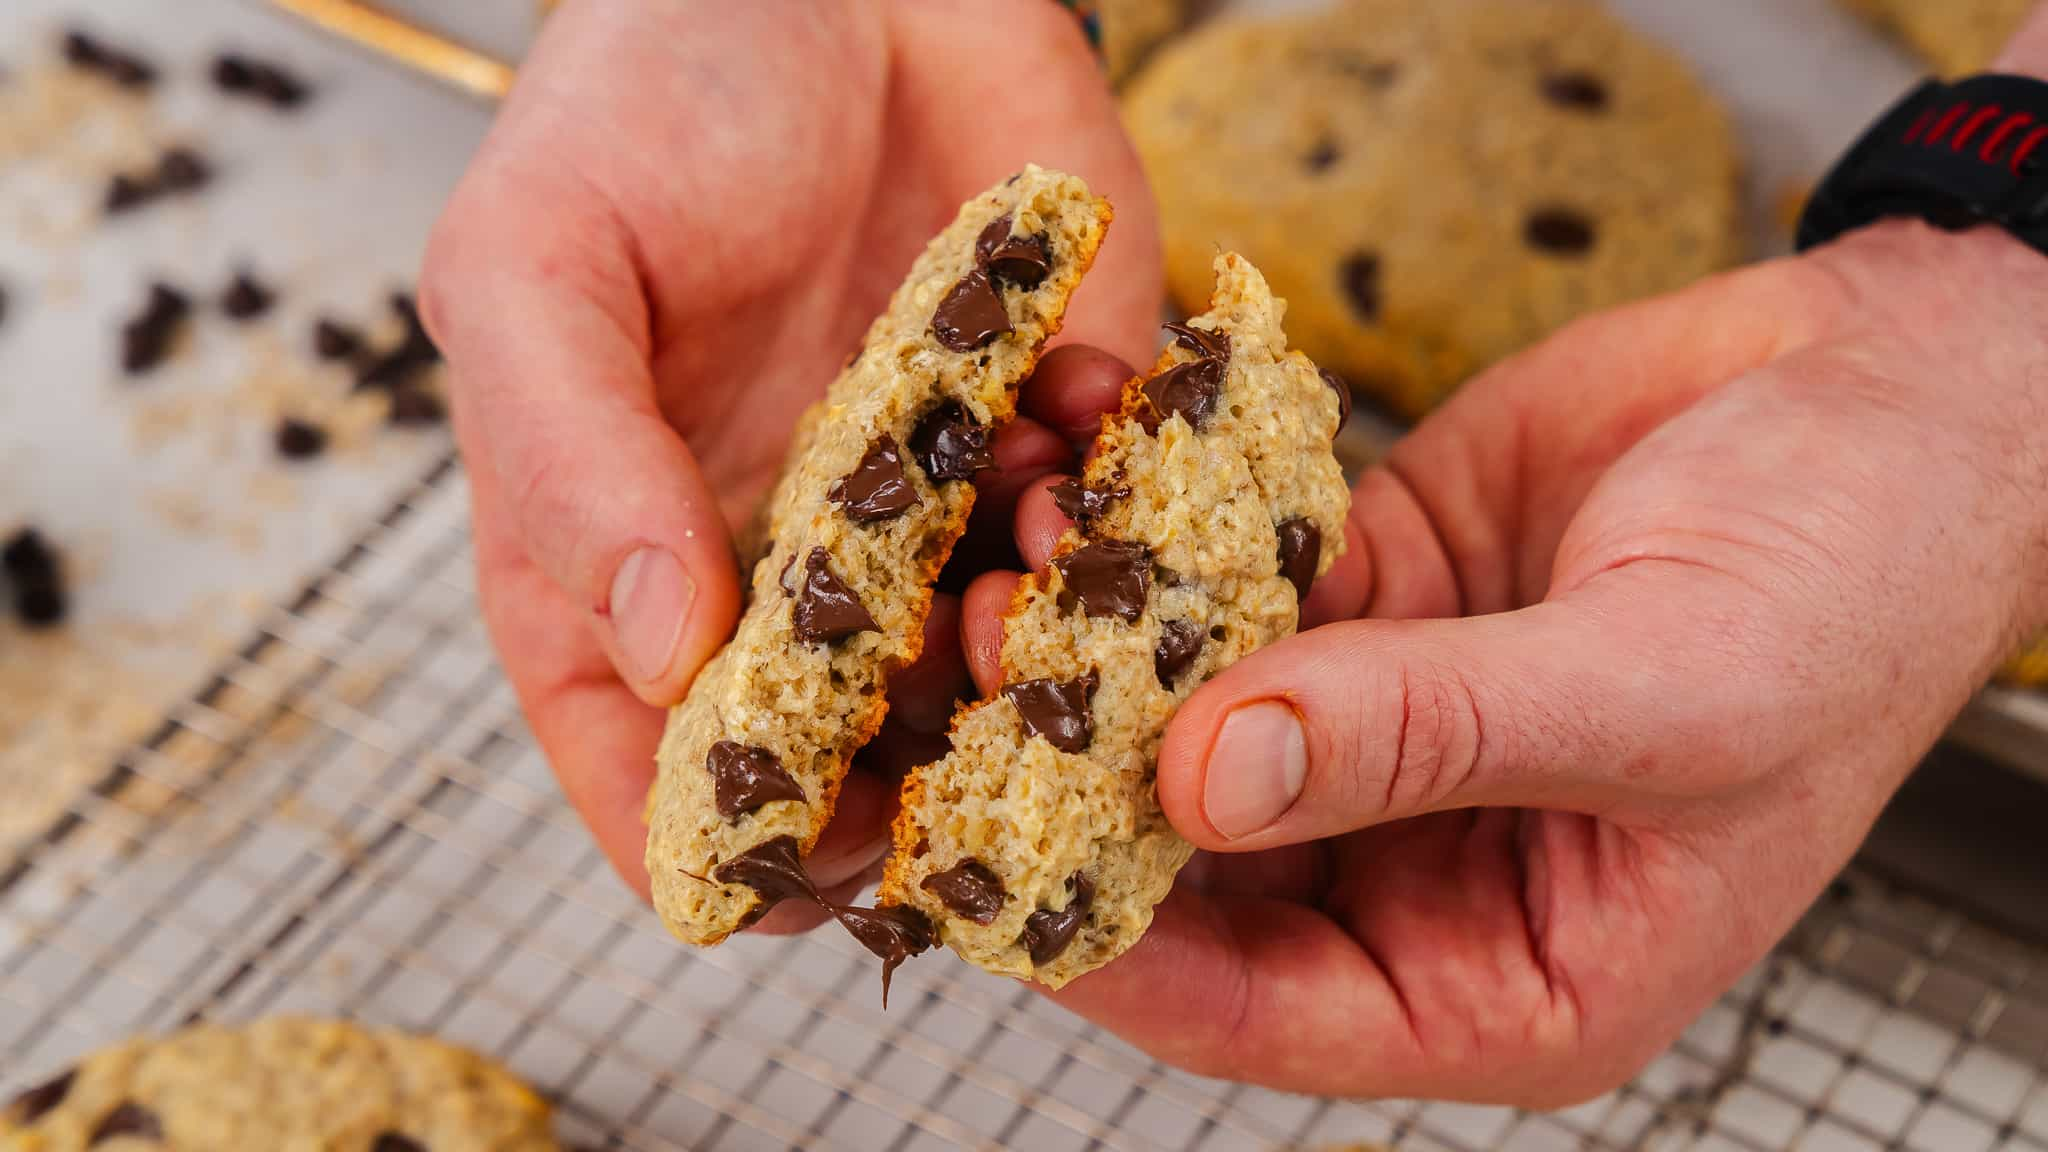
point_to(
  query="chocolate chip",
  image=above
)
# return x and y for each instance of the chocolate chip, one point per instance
(971, 316)
(1019, 260)
(1055, 710)
(950, 446)
(125, 192)
(334, 340)
(1375, 73)
(774, 870)
(27, 555)
(876, 489)
(1301, 549)
(247, 297)
(1180, 641)
(826, 609)
(39, 605)
(415, 407)
(412, 355)
(1108, 577)
(1322, 156)
(1047, 933)
(1203, 342)
(744, 778)
(893, 934)
(38, 1101)
(1343, 390)
(246, 76)
(970, 890)
(128, 1119)
(1360, 274)
(147, 339)
(389, 1141)
(1581, 91)
(88, 54)
(1082, 504)
(300, 439)
(1559, 231)
(1188, 390)
(182, 170)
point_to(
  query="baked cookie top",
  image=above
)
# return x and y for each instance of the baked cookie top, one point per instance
(876, 492)
(1957, 37)
(280, 1083)
(1037, 845)
(1434, 184)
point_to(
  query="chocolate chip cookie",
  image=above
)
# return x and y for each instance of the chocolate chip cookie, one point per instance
(1037, 846)
(1955, 36)
(1131, 29)
(1434, 184)
(870, 504)
(2029, 669)
(285, 1082)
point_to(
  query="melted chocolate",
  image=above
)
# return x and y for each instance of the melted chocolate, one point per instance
(1019, 260)
(893, 934)
(972, 314)
(826, 609)
(1343, 391)
(773, 869)
(38, 1101)
(1079, 503)
(1180, 641)
(1188, 390)
(1301, 549)
(745, 778)
(876, 489)
(970, 890)
(1055, 710)
(128, 1119)
(1047, 933)
(1201, 341)
(1108, 577)
(950, 446)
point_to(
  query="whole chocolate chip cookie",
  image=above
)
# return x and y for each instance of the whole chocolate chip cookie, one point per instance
(1955, 36)
(1037, 846)
(1434, 184)
(876, 491)
(285, 1082)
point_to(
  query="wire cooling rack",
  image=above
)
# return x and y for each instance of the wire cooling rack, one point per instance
(351, 820)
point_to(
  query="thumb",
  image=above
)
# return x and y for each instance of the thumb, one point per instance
(1559, 705)
(546, 330)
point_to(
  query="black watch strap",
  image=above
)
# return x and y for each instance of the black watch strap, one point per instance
(1956, 155)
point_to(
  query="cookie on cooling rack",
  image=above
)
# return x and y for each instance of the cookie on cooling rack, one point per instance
(1957, 37)
(285, 1082)
(1434, 184)
(871, 502)
(1037, 846)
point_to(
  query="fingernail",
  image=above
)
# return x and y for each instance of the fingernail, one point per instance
(651, 598)
(840, 869)
(1256, 769)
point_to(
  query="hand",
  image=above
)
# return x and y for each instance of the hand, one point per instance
(1645, 627)
(680, 226)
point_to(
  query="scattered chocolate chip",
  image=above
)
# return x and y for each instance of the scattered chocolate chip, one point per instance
(893, 934)
(1082, 504)
(744, 778)
(1202, 342)
(1108, 577)
(299, 439)
(971, 316)
(1055, 710)
(1321, 157)
(388, 1141)
(1559, 231)
(1180, 641)
(773, 869)
(970, 890)
(334, 340)
(1301, 549)
(415, 407)
(1343, 390)
(1360, 274)
(125, 192)
(1188, 390)
(1019, 260)
(247, 297)
(1047, 933)
(147, 339)
(89, 54)
(412, 355)
(128, 1119)
(950, 446)
(37, 575)
(38, 1101)
(1375, 73)
(1582, 91)
(182, 170)
(826, 609)
(876, 489)
(245, 76)
(27, 555)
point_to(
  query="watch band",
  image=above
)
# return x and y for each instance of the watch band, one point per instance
(1090, 16)
(1956, 155)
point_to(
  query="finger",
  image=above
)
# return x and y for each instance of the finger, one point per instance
(1340, 593)
(1072, 388)
(544, 322)
(1039, 523)
(1024, 451)
(921, 696)
(981, 627)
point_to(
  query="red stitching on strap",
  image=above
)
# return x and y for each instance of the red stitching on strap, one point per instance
(1919, 125)
(2013, 123)
(2026, 148)
(1948, 121)
(1982, 117)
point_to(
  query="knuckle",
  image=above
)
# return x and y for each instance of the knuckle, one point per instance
(1441, 738)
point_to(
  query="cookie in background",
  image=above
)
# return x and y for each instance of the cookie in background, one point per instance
(1956, 37)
